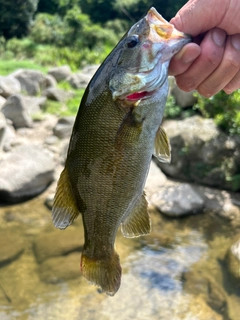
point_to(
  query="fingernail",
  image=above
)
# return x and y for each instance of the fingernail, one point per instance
(235, 40)
(219, 36)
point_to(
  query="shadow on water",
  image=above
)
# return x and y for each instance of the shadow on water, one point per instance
(177, 272)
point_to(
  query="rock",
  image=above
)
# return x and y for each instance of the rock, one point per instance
(221, 202)
(58, 243)
(56, 94)
(25, 173)
(2, 101)
(63, 128)
(79, 80)
(50, 81)
(155, 180)
(233, 262)
(11, 246)
(3, 124)
(177, 199)
(201, 153)
(34, 76)
(59, 269)
(28, 85)
(8, 86)
(198, 283)
(90, 70)
(182, 98)
(8, 137)
(60, 73)
(16, 110)
(35, 104)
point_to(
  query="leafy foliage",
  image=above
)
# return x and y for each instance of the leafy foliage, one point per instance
(16, 17)
(223, 108)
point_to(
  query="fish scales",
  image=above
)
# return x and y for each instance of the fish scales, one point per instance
(116, 131)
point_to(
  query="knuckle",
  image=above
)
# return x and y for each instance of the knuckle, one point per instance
(185, 84)
(232, 61)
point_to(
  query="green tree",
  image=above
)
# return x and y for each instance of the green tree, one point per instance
(16, 17)
(135, 9)
(56, 6)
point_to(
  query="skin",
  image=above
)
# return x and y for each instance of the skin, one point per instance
(212, 62)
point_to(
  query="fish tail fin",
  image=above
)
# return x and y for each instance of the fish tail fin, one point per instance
(104, 273)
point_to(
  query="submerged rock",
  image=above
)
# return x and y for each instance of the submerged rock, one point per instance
(233, 261)
(25, 172)
(11, 246)
(59, 269)
(58, 243)
(201, 284)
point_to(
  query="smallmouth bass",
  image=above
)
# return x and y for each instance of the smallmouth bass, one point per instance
(116, 131)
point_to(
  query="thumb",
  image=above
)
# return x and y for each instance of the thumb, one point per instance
(198, 16)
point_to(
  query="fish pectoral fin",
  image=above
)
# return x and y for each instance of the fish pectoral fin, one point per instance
(138, 222)
(64, 209)
(162, 147)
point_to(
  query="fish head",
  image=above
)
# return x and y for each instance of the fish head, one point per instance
(144, 55)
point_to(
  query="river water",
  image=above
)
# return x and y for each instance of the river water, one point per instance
(177, 272)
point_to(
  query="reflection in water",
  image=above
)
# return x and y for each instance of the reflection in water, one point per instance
(154, 268)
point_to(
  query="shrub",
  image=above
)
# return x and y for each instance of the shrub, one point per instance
(223, 108)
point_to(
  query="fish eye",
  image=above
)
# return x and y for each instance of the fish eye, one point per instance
(132, 41)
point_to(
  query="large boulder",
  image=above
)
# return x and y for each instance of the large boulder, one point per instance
(177, 199)
(202, 153)
(25, 172)
(2, 101)
(8, 86)
(3, 124)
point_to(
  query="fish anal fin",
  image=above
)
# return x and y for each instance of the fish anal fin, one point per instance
(138, 221)
(162, 147)
(104, 273)
(64, 209)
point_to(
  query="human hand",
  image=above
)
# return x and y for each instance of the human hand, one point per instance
(212, 63)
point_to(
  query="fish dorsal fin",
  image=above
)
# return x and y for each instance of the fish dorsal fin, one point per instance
(138, 221)
(162, 147)
(64, 209)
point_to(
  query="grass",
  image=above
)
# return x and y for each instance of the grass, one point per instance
(9, 66)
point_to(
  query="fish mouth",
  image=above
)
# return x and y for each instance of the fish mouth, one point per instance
(160, 41)
(139, 95)
(163, 29)
(150, 80)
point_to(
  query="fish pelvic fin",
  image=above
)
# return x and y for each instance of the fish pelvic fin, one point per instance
(162, 147)
(64, 209)
(104, 273)
(138, 222)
